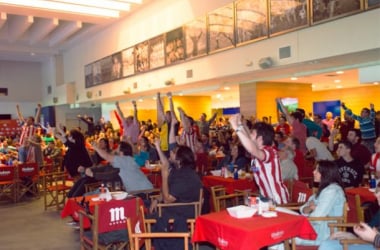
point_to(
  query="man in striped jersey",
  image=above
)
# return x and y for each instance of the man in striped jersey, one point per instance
(29, 129)
(265, 164)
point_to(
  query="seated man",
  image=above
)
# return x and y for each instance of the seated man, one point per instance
(132, 177)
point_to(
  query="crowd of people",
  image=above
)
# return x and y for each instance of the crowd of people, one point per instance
(333, 152)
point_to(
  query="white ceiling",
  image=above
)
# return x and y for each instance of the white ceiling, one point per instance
(28, 34)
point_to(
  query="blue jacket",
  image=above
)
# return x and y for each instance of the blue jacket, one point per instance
(329, 203)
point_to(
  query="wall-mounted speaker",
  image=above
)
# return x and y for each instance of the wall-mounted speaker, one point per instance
(265, 62)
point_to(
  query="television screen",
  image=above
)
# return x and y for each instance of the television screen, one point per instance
(320, 108)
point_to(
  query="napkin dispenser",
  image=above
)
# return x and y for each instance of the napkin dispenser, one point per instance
(105, 195)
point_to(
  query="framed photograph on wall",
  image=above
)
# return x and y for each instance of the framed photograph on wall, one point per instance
(196, 37)
(287, 16)
(221, 33)
(89, 79)
(128, 62)
(141, 53)
(251, 21)
(97, 73)
(157, 52)
(323, 10)
(117, 69)
(175, 46)
(106, 69)
(369, 4)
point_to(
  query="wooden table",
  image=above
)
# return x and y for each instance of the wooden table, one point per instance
(226, 232)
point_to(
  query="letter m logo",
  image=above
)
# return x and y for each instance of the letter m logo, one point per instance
(117, 214)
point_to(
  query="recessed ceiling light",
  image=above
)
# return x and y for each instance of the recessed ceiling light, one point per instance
(293, 78)
(337, 81)
(376, 83)
(339, 72)
(218, 95)
(141, 100)
(227, 88)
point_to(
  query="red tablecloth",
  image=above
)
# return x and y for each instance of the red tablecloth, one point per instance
(112, 214)
(226, 232)
(363, 192)
(230, 183)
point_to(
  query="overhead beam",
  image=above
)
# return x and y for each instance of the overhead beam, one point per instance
(64, 32)
(18, 25)
(42, 28)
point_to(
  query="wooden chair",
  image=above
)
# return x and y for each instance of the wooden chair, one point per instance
(346, 242)
(55, 189)
(8, 183)
(355, 212)
(216, 191)
(335, 219)
(229, 200)
(28, 177)
(139, 232)
(299, 193)
(107, 218)
(197, 205)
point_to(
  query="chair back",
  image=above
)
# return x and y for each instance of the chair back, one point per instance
(300, 192)
(7, 173)
(355, 213)
(216, 191)
(197, 205)
(113, 215)
(229, 200)
(139, 232)
(8, 182)
(27, 170)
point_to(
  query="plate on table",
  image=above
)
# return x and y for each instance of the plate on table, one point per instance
(372, 190)
(119, 195)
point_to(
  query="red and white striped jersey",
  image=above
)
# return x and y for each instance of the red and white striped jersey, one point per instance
(268, 177)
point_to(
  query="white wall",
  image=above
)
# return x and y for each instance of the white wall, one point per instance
(23, 81)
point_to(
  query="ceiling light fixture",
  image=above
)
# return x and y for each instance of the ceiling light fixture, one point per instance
(339, 72)
(77, 8)
(227, 88)
(337, 81)
(293, 78)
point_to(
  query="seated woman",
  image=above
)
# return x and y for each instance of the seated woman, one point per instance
(180, 182)
(365, 232)
(328, 201)
(237, 157)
